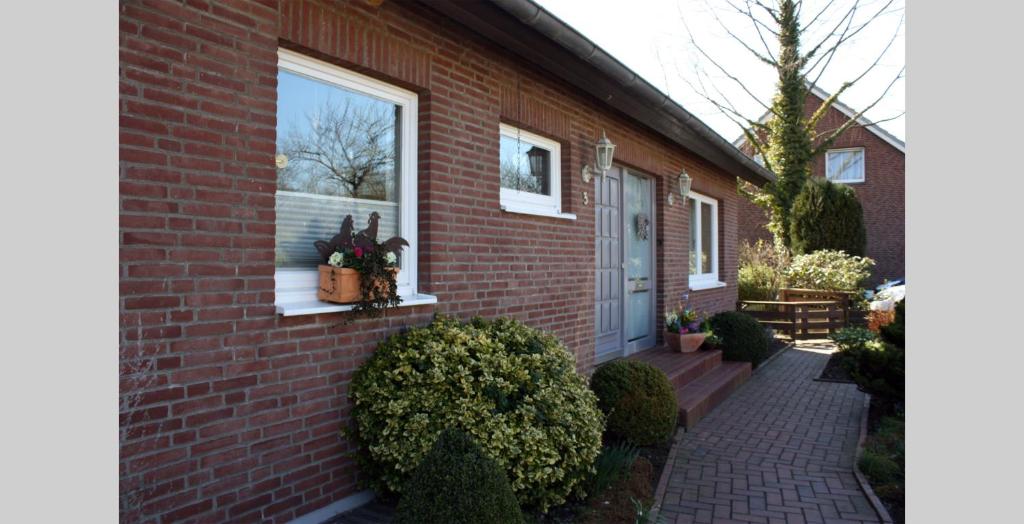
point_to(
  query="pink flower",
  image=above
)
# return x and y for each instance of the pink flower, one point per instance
(359, 252)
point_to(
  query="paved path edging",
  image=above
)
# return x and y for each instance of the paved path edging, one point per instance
(865, 485)
(659, 492)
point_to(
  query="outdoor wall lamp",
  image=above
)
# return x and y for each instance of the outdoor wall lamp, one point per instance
(684, 188)
(684, 185)
(604, 151)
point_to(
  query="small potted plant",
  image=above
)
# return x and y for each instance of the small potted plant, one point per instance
(683, 330)
(358, 269)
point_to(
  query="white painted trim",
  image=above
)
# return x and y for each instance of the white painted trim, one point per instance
(700, 280)
(327, 512)
(700, 286)
(296, 286)
(863, 164)
(316, 307)
(532, 203)
(525, 210)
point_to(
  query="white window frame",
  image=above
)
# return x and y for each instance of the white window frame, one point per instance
(514, 201)
(863, 164)
(295, 289)
(705, 280)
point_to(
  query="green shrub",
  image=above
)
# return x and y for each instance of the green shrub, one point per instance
(895, 332)
(456, 483)
(853, 337)
(612, 465)
(888, 439)
(826, 216)
(514, 389)
(762, 271)
(879, 468)
(829, 270)
(638, 401)
(757, 283)
(851, 341)
(743, 339)
(878, 369)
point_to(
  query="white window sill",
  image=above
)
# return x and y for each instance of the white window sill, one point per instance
(700, 286)
(526, 210)
(315, 307)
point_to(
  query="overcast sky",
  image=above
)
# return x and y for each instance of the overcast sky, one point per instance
(650, 37)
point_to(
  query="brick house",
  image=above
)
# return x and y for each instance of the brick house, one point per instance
(871, 161)
(235, 377)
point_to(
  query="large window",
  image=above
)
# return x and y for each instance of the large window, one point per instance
(529, 167)
(703, 242)
(345, 146)
(845, 165)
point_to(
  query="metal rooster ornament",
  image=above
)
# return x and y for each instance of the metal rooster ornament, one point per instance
(365, 239)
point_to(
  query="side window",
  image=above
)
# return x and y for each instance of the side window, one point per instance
(703, 241)
(845, 165)
(345, 146)
(530, 175)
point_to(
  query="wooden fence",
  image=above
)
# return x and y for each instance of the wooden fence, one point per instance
(802, 313)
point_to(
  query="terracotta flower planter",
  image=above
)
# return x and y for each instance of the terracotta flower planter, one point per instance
(343, 285)
(684, 343)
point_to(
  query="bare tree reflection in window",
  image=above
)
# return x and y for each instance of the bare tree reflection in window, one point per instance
(344, 149)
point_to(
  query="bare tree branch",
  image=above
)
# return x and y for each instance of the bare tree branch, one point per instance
(722, 69)
(821, 111)
(770, 60)
(824, 144)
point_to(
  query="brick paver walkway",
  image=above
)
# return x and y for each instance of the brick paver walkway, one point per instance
(780, 449)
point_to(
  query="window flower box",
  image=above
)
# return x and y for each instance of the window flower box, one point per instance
(343, 285)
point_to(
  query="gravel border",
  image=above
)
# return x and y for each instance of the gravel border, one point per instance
(865, 486)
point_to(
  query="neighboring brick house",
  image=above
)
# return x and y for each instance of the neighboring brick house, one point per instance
(871, 161)
(239, 376)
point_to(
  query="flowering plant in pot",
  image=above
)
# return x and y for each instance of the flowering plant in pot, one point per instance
(358, 269)
(684, 330)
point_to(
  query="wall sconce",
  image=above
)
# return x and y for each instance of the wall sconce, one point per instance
(604, 153)
(684, 185)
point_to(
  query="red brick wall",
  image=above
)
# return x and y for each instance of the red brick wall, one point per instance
(237, 413)
(881, 195)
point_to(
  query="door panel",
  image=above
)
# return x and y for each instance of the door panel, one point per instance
(608, 253)
(638, 224)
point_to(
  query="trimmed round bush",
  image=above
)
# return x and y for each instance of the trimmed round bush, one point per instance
(512, 388)
(743, 339)
(826, 216)
(638, 401)
(456, 483)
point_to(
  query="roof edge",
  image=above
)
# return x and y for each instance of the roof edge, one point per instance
(635, 97)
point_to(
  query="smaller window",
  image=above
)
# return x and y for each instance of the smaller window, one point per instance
(703, 241)
(845, 165)
(530, 175)
(759, 159)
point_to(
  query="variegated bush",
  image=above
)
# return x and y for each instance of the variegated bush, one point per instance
(513, 388)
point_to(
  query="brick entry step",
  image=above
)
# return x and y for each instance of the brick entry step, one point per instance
(701, 379)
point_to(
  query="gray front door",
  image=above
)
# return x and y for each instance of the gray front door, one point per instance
(624, 257)
(638, 227)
